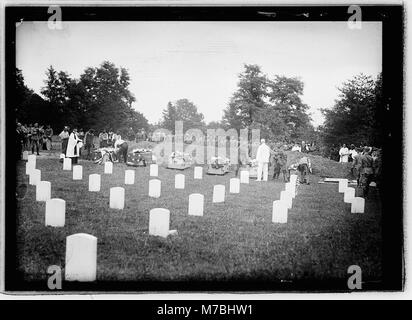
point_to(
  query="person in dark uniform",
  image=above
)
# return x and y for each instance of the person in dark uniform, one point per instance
(366, 170)
(121, 148)
(35, 138)
(20, 135)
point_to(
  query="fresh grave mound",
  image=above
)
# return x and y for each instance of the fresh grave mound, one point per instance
(321, 166)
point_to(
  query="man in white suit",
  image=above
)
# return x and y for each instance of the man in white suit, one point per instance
(262, 158)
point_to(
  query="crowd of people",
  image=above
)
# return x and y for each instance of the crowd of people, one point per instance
(33, 137)
(366, 161)
(74, 142)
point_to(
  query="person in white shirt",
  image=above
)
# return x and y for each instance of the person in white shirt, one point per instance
(344, 154)
(121, 148)
(262, 158)
(352, 153)
(73, 146)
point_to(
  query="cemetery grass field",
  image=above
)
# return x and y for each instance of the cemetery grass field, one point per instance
(233, 240)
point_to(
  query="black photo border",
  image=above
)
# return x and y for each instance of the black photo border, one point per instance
(392, 18)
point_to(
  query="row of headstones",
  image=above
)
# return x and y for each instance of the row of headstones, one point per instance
(357, 203)
(81, 249)
(55, 208)
(282, 206)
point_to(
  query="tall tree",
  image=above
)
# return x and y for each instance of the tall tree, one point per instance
(182, 110)
(353, 118)
(23, 94)
(272, 105)
(107, 100)
(248, 101)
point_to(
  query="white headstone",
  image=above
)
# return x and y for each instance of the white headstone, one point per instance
(154, 188)
(343, 184)
(234, 186)
(25, 155)
(198, 174)
(55, 212)
(116, 198)
(32, 159)
(108, 167)
(154, 170)
(34, 177)
(81, 257)
(219, 193)
(287, 198)
(291, 188)
(293, 178)
(349, 195)
(244, 176)
(43, 191)
(30, 166)
(77, 172)
(179, 181)
(94, 182)
(279, 212)
(129, 177)
(358, 205)
(196, 203)
(159, 220)
(67, 164)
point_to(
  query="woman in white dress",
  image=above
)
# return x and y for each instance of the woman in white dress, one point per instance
(344, 154)
(73, 146)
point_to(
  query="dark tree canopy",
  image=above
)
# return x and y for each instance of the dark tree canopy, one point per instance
(356, 116)
(99, 99)
(272, 105)
(182, 110)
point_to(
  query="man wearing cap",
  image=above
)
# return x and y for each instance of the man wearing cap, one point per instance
(262, 158)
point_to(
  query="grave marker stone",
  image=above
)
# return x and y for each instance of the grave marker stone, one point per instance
(279, 212)
(55, 212)
(34, 177)
(244, 176)
(43, 191)
(94, 182)
(159, 221)
(81, 257)
(179, 181)
(77, 172)
(108, 167)
(129, 176)
(349, 195)
(67, 164)
(196, 204)
(234, 185)
(154, 170)
(154, 188)
(358, 205)
(116, 198)
(198, 173)
(219, 193)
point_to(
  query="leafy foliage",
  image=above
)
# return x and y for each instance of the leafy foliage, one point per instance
(357, 115)
(272, 105)
(99, 99)
(182, 110)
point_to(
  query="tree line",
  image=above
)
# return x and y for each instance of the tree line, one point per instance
(101, 99)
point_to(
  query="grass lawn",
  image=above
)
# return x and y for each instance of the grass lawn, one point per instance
(233, 240)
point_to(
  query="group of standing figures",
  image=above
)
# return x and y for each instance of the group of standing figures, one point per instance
(32, 137)
(74, 143)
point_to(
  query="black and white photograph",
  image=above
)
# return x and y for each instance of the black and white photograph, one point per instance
(204, 149)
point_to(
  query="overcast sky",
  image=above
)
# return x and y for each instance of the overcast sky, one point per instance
(201, 60)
